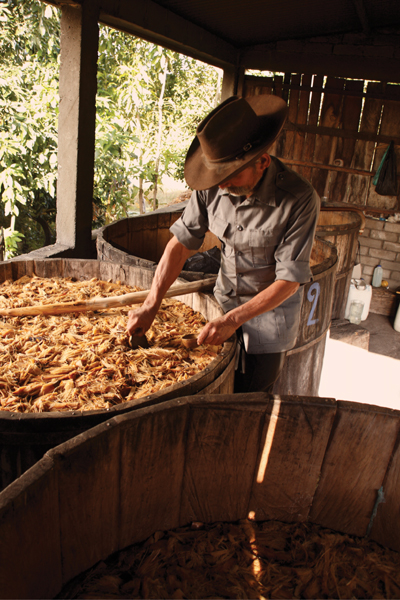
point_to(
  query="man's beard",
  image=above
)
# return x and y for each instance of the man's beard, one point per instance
(238, 191)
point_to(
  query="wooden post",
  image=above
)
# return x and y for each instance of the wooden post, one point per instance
(76, 126)
(232, 82)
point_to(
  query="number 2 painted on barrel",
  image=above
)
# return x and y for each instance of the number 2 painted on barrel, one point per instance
(312, 296)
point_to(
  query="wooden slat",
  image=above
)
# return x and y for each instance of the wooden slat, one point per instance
(302, 115)
(221, 456)
(386, 525)
(354, 467)
(21, 268)
(309, 144)
(345, 146)
(276, 148)
(81, 268)
(363, 152)
(224, 383)
(30, 557)
(325, 146)
(293, 444)
(5, 271)
(288, 149)
(52, 267)
(88, 498)
(152, 460)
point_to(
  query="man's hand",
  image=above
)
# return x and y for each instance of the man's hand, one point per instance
(169, 267)
(217, 331)
(140, 320)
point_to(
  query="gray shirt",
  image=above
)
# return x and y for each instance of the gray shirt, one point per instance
(264, 238)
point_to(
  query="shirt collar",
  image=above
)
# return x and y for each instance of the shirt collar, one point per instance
(265, 189)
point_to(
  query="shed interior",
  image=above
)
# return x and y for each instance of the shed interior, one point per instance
(336, 63)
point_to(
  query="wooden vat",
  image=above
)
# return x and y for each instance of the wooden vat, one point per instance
(24, 438)
(292, 459)
(141, 240)
(301, 373)
(341, 228)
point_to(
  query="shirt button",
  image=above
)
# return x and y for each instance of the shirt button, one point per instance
(281, 176)
(239, 227)
(240, 274)
(239, 253)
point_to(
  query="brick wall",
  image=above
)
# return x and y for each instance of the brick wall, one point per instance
(380, 244)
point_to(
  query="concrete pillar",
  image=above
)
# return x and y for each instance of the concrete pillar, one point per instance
(232, 82)
(76, 126)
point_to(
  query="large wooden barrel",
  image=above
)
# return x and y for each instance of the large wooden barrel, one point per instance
(301, 373)
(341, 228)
(205, 459)
(24, 438)
(141, 240)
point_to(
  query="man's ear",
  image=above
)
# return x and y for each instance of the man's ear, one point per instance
(264, 161)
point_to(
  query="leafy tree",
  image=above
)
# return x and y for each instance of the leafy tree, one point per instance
(149, 103)
(28, 125)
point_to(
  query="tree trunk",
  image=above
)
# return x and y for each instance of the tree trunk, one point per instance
(164, 64)
(142, 206)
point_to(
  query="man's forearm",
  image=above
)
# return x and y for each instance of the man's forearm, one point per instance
(168, 269)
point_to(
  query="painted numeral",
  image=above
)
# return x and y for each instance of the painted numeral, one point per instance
(313, 295)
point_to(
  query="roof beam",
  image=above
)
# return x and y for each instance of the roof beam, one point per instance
(303, 57)
(156, 24)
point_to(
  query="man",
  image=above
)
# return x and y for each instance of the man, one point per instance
(265, 217)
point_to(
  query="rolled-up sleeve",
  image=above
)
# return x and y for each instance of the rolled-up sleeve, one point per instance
(192, 226)
(293, 253)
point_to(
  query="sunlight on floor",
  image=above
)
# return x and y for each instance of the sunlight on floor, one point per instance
(351, 373)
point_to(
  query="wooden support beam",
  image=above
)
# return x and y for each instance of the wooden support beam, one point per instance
(76, 127)
(154, 23)
(266, 57)
(362, 15)
(342, 133)
(232, 82)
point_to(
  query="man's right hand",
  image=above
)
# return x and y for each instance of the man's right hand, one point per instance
(168, 269)
(140, 320)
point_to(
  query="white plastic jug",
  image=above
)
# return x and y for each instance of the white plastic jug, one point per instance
(396, 323)
(364, 295)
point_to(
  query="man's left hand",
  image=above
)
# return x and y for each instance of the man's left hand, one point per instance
(216, 332)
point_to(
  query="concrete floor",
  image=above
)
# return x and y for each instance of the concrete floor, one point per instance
(368, 376)
(383, 338)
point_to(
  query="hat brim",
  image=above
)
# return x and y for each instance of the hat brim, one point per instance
(201, 175)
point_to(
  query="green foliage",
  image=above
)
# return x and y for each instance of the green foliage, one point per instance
(28, 123)
(129, 106)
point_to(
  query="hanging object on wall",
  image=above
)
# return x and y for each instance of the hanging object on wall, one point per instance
(385, 179)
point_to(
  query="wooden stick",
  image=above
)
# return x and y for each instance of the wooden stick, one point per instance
(110, 302)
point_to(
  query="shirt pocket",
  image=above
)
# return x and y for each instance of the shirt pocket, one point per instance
(262, 245)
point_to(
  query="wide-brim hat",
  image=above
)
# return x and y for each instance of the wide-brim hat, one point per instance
(231, 137)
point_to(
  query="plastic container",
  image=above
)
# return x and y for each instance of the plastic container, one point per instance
(356, 310)
(396, 323)
(359, 293)
(377, 276)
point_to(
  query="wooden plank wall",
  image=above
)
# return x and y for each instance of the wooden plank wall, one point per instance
(344, 124)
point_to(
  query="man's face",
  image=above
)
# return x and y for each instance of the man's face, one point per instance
(244, 182)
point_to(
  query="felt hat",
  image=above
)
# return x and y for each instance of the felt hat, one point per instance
(235, 134)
